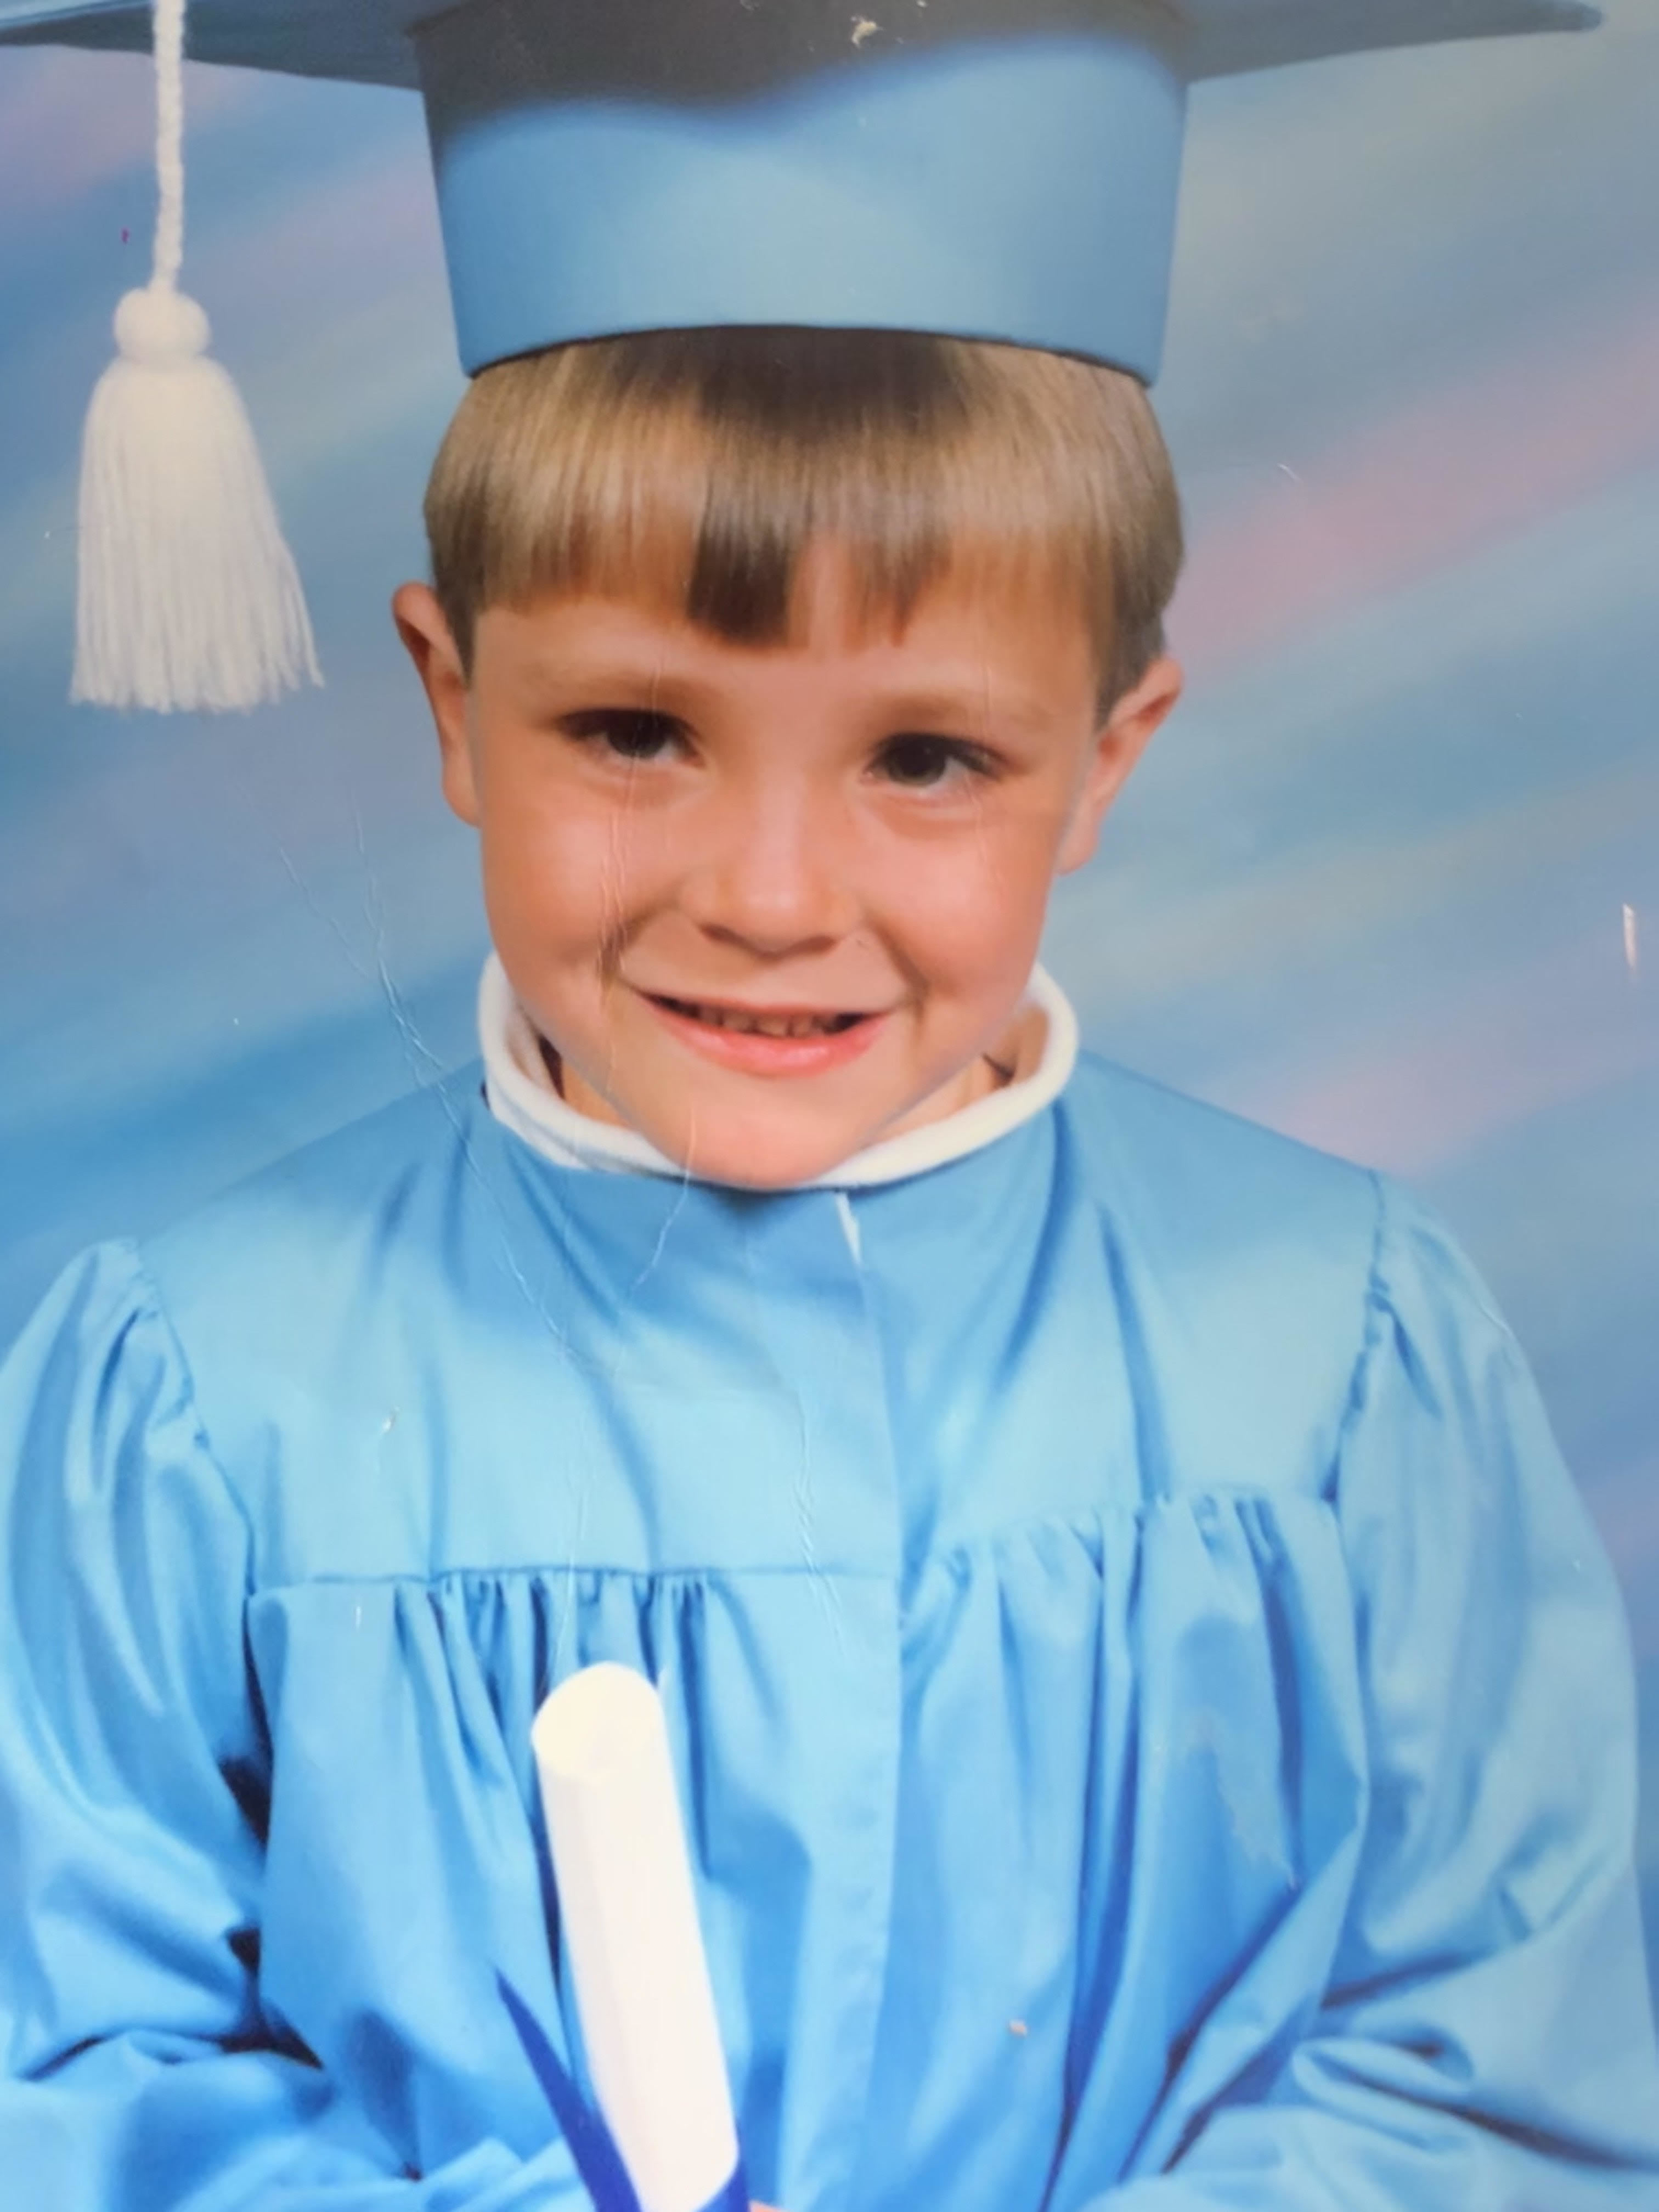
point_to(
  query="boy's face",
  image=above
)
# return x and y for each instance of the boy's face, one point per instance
(691, 846)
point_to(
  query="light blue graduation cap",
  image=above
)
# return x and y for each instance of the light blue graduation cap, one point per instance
(1001, 169)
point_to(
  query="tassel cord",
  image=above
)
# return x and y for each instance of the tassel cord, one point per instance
(170, 41)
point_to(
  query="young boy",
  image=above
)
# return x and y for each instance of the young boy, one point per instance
(807, 737)
(1154, 1722)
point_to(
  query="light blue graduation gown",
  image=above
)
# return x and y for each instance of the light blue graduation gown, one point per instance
(1155, 1723)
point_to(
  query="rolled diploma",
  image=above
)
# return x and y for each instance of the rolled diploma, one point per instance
(629, 1920)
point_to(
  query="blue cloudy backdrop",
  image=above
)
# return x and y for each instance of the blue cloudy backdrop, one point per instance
(1392, 883)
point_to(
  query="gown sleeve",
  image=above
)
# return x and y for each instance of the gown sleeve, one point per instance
(1484, 2037)
(138, 2073)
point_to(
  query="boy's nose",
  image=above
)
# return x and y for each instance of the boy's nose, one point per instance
(772, 873)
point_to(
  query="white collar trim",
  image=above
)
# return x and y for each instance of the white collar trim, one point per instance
(522, 1098)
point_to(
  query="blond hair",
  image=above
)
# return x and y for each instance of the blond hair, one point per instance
(693, 468)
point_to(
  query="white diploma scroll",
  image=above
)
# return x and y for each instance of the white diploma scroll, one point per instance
(629, 1921)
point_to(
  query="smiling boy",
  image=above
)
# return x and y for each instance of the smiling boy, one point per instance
(817, 777)
(1154, 1721)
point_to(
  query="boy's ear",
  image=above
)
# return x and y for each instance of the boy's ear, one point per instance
(1133, 721)
(429, 644)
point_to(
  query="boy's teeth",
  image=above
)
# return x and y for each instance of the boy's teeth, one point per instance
(774, 1026)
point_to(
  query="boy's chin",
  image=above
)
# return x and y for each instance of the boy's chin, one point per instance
(762, 1155)
(747, 1167)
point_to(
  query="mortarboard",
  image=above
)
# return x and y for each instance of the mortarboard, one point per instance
(1000, 169)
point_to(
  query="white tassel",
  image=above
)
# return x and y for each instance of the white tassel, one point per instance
(188, 596)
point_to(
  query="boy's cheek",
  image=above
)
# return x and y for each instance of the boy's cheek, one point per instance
(545, 848)
(984, 885)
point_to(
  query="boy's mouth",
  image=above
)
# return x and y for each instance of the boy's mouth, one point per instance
(751, 1021)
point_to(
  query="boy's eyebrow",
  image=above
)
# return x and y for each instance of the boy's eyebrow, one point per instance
(915, 705)
(634, 677)
(973, 703)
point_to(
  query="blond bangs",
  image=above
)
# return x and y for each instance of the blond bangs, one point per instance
(692, 470)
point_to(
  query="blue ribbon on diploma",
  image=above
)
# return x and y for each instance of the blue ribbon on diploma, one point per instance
(592, 2145)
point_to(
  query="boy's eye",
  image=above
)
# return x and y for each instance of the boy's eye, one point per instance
(918, 760)
(634, 733)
